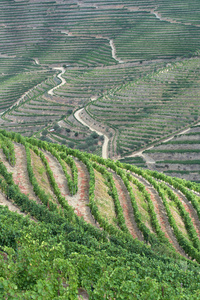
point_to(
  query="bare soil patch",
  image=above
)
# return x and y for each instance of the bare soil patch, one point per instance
(81, 200)
(82, 294)
(161, 215)
(19, 171)
(125, 202)
(9, 204)
(190, 209)
(58, 174)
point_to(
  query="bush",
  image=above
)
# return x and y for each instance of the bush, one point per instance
(94, 135)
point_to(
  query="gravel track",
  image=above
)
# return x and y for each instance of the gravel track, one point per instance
(106, 139)
(63, 81)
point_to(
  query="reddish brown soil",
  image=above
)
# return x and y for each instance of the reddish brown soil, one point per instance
(79, 201)
(190, 209)
(125, 202)
(19, 171)
(161, 215)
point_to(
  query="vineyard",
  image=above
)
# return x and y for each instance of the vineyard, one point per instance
(179, 156)
(83, 227)
(132, 66)
(99, 149)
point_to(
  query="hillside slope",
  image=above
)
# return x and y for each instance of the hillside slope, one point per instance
(130, 67)
(102, 221)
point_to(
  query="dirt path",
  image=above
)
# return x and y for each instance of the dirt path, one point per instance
(181, 132)
(141, 8)
(5, 202)
(81, 199)
(106, 139)
(126, 205)
(113, 48)
(50, 92)
(6, 55)
(146, 157)
(36, 61)
(161, 215)
(19, 171)
(12, 207)
(63, 81)
(158, 15)
(194, 192)
(140, 152)
(20, 99)
(192, 213)
(98, 36)
(170, 20)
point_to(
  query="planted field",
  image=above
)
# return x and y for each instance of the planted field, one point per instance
(152, 107)
(180, 156)
(95, 203)
(114, 79)
(139, 57)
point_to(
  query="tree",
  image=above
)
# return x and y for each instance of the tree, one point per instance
(56, 127)
(94, 135)
(63, 142)
(71, 145)
(69, 111)
(44, 132)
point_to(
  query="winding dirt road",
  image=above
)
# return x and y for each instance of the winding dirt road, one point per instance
(111, 42)
(20, 99)
(78, 113)
(148, 159)
(112, 45)
(36, 61)
(106, 139)
(63, 81)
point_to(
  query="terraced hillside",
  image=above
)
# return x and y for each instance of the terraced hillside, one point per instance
(99, 217)
(129, 70)
(179, 155)
(118, 79)
(155, 106)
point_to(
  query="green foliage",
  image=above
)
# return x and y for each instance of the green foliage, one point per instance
(114, 194)
(55, 256)
(48, 264)
(8, 149)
